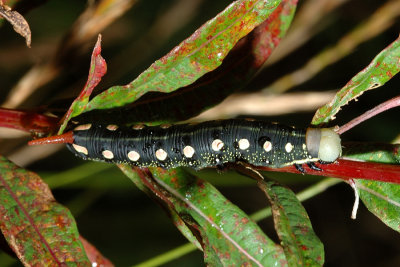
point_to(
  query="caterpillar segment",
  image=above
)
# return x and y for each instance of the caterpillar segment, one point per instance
(207, 144)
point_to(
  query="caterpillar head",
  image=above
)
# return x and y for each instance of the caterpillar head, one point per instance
(324, 144)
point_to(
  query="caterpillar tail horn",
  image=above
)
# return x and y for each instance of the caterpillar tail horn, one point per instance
(67, 138)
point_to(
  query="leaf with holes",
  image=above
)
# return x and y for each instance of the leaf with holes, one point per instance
(202, 52)
(228, 235)
(40, 231)
(301, 245)
(382, 68)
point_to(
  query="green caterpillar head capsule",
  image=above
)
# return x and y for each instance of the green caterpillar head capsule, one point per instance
(324, 144)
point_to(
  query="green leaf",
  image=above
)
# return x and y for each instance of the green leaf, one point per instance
(301, 245)
(382, 68)
(238, 67)
(375, 152)
(39, 230)
(229, 236)
(202, 52)
(381, 198)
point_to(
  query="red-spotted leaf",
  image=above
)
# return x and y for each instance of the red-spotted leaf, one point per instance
(40, 231)
(239, 66)
(228, 236)
(382, 68)
(381, 198)
(301, 245)
(202, 52)
(98, 68)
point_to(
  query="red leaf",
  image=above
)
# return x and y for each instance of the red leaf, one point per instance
(98, 68)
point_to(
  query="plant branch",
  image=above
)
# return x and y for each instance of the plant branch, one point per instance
(391, 103)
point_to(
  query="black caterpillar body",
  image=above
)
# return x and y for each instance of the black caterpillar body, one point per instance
(206, 144)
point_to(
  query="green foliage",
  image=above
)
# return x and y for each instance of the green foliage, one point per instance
(200, 53)
(216, 60)
(382, 68)
(39, 230)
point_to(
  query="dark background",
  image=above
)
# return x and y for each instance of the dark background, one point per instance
(127, 226)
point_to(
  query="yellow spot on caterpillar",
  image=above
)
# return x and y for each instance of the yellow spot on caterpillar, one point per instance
(165, 126)
(244, 144)
(188, 151)
(133, 155)
(112, 127)
(161, 154)
(267, 146)
(288, 147)
(217, 145)
(83, 127)
(138, 127)
(107, 154)
(80, 149)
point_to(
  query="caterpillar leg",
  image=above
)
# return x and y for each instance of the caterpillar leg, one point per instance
(313, 166)
(324, 162)
(300, 168)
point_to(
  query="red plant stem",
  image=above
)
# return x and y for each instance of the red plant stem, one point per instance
(348, 169)
(391, 103)
(27, 121)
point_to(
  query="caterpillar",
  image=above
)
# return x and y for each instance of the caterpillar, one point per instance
(206, 144)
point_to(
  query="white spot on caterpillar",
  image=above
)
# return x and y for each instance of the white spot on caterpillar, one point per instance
(217, 145)
(188, 151)
(165, 126)
(133, 155)
(107, 154)
(304, 147)
(112, 127)
(80, 149)
(244, 144)
(138, 127)
(161, 154)
(267, 146)
(288, 147)
(83, 127)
